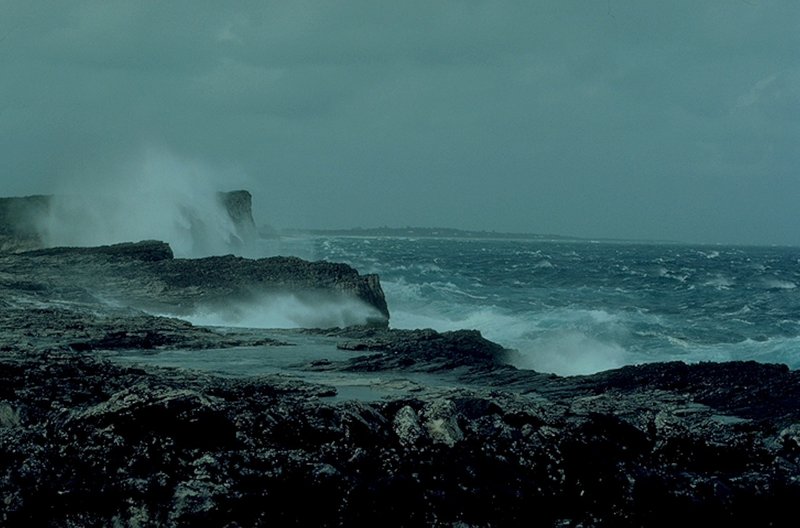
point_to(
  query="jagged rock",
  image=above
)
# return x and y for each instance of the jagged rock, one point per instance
(423, 350)
(440, 421)
(239, 205)
(9, 417)
(144, 275)
(407, 427)
(98, 444)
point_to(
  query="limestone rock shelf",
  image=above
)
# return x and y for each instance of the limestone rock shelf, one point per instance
(145, 275)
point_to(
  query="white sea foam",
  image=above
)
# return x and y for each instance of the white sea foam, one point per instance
(779, 284)
(286, 310)
(773, 350)
(676, 306)
(568, 352)
(719, 282)
(162, 197)
(564, 341)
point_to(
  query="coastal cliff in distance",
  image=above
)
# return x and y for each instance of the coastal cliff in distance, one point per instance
(19, 217)
(26, 222)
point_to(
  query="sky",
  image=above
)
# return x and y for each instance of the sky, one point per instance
(641, 119)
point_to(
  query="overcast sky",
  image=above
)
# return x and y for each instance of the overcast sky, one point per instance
(673, 119)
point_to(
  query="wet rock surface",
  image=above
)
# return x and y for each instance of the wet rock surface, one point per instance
(85, 441)
(145, 275)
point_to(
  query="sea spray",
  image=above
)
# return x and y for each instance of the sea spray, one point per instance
(160, 197)
(286, 310)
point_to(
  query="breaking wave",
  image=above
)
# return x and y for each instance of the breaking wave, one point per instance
(593, 307)
(286, 310)
(161, 198)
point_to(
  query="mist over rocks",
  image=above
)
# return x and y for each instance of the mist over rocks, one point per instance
(19, 218)
(198, 224)
(239, 205)
(145, 276)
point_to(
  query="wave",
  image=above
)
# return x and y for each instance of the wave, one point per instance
(164, 198)
(600, 306)
(563, 341)
(719, 282)
(286, 310)
(573, 340)
(568, 353)
(779, 284)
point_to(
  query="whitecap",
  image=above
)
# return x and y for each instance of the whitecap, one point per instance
(569, 353)
(719, 282)
(286, 310)
(779, 284)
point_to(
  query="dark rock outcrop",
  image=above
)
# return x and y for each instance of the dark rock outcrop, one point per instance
(239, 205)
(87, 439)
(424, 350)
(144, 275)
(86, 443)
(32, 328)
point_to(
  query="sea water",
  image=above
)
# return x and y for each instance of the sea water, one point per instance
(580, 307)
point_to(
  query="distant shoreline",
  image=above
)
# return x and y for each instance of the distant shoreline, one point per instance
(452, 233)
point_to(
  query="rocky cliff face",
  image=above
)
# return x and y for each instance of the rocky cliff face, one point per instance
(145, 276)
(239, 205)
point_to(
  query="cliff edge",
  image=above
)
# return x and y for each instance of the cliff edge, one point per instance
(146, 275)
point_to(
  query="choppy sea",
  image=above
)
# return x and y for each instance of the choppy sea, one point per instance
(583, 307)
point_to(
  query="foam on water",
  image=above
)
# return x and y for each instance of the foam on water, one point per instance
(568, 352)
(285, 310)
(594, 306)
(565, 341)
(779, 284)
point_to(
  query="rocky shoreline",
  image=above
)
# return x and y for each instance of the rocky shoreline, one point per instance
(89, 441)
(146, 276)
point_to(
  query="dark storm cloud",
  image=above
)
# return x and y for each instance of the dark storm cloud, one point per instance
(606, 119)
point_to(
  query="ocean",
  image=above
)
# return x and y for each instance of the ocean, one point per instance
(574, 307)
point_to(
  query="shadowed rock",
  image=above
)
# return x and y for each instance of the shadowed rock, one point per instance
(145, 275)
(86, 443)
